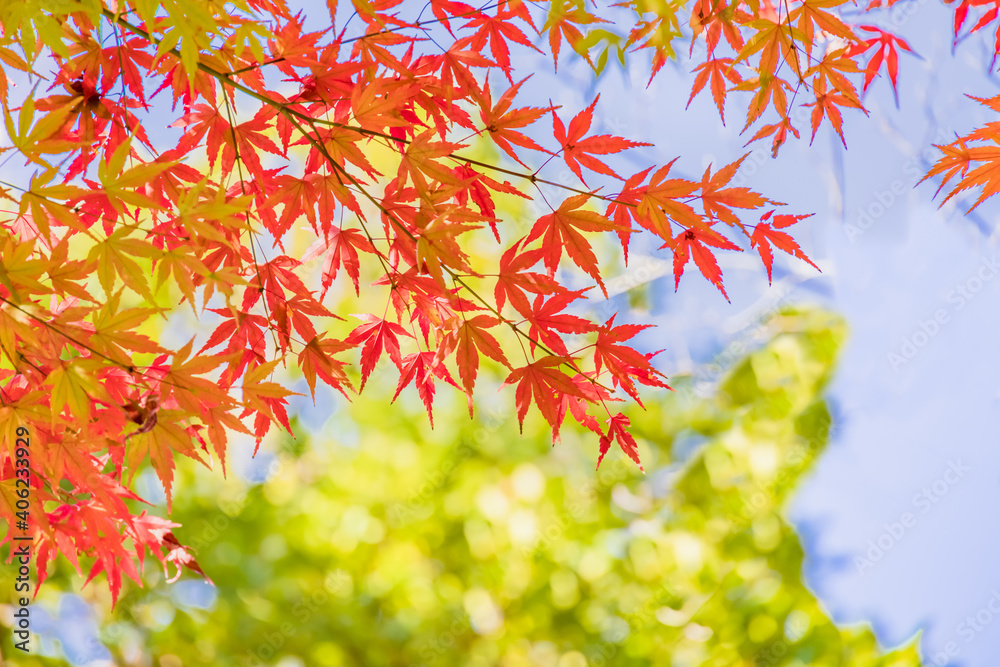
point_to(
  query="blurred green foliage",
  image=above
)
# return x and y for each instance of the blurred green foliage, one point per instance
(383, 542)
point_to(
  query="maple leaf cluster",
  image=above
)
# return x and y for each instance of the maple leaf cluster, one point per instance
(800, 50)
(972, 159)
(364, 138)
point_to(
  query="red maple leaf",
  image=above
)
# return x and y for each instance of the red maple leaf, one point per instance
(474, 338)
(502, 123)
(719, 200)
(886, 43)
(826, 105)
(624, 363)
(514, 279)
(765, 234)
(561, 230)
(692, 243)
(421, 369)
(317, 360)
(377, 335)
(579, 151)
(618, 430)
(543, 382)
(498, 30)
(716, 70)
(547, 318)
(341, 246)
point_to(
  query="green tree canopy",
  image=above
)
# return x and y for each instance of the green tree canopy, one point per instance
(383, 542)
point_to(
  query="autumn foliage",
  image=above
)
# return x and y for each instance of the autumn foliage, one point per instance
(361, 130)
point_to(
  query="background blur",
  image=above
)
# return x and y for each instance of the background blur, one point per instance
(376, 541)
(370, 539)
